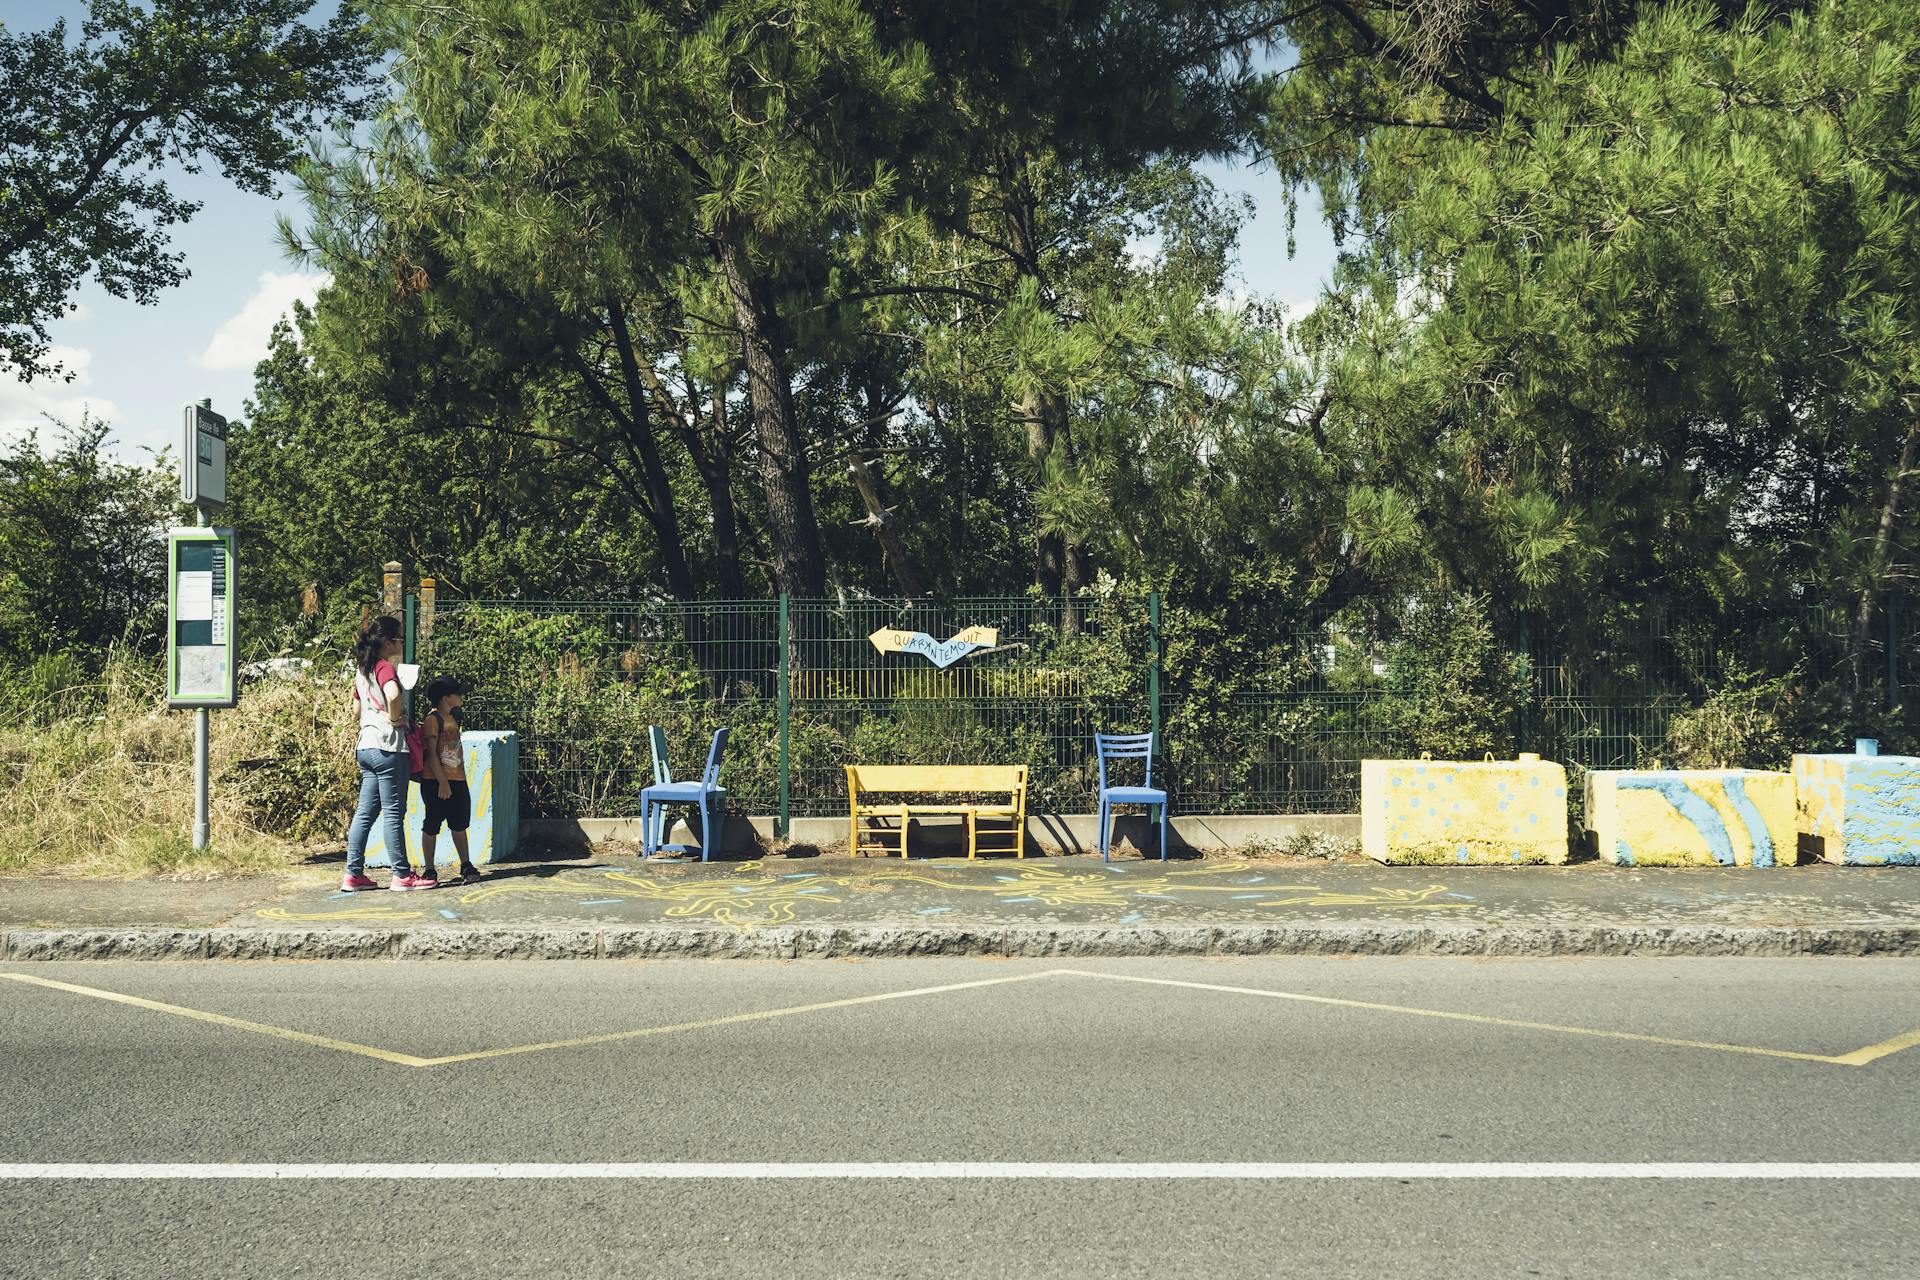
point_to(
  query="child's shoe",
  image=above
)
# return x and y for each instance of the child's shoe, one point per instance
(354, 884)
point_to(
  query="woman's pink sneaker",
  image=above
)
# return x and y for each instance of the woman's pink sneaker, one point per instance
(410, 881)
(354, 884)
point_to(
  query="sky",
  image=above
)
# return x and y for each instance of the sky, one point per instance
(136, 366)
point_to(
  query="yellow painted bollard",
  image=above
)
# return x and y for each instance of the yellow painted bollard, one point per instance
(493, 779)
(1491, 812)
(1862, 810)
(1691, 817)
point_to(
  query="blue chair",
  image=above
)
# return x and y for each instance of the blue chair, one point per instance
(1127, 746)
(662, 774)
(706, 793)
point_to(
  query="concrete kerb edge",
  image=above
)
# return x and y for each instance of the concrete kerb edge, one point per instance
(892, 941)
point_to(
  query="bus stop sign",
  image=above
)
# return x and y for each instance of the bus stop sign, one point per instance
(200, 618)
(203, 457)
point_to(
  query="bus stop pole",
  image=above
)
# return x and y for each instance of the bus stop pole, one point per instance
(202, 827)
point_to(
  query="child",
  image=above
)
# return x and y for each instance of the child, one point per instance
(443, 780)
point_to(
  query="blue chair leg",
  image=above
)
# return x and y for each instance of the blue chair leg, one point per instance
(706, 831)
(1106, 816)
(646, 828)
(1163, 832)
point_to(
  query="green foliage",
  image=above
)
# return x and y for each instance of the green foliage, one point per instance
(85, 124)
(82, 551)
(1755, 721)
(1452, 688)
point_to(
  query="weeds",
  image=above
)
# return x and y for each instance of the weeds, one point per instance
(108, 788)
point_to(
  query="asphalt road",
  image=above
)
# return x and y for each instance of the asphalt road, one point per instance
(326, 1063)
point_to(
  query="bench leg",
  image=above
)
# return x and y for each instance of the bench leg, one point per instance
(905, 818)
(973, 834)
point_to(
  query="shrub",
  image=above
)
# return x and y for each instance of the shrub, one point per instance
(1452, 688)
(1751, 721)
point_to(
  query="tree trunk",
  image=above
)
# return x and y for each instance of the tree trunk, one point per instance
(654, 495)
(716, 468)
(1881, 562)
(799, 561)
(1049, 555)
(885, 528)
(1043, 413)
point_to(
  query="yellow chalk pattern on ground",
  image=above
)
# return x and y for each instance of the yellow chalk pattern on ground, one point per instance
(1691, 817)
(371, 914)
(1437, 812)
(753, 898)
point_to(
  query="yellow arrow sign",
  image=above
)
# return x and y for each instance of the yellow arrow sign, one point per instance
(941, 654)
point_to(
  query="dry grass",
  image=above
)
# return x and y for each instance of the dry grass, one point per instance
(108, 790)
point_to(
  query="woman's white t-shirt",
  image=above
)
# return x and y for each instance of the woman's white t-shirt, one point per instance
(378, 732)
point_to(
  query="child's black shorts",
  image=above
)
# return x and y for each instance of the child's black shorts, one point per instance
(456, 811)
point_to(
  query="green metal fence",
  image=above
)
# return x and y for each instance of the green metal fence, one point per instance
(806, 691)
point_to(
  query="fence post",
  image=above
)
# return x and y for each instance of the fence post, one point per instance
(390, 588)
(424, 622)
(409, 620)
(1525, 735)
(1893, 650)
(786, 703)
(1153, 669)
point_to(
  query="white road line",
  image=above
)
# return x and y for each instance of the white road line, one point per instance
(969, 1169)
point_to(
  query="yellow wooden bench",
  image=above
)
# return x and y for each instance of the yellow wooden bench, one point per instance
(946, 780)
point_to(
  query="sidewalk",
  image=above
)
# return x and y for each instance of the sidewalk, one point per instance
(622, 908)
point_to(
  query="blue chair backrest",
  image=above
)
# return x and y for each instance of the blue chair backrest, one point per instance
(1123, 746)
(711, 777)
(657, 741)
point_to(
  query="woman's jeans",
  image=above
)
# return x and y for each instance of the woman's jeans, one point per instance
(383, 792)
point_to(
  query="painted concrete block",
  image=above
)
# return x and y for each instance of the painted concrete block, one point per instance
(1495, 812)
(493, 776)
(1691, 817)
(1861, 809)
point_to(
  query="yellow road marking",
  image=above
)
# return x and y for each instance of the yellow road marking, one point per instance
(733, 1018)
(1859, 1057)
(411, 1060)
(221, 1020)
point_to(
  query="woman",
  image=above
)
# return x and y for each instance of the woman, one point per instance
(383, 758)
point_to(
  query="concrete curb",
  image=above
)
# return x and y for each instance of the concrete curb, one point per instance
(883, 941)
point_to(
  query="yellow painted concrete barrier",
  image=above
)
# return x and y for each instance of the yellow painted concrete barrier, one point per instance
(493, 779)
(1691, 817)
(1495, 812)
(1861, 809)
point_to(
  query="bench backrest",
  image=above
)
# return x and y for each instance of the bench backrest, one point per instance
(936, 777)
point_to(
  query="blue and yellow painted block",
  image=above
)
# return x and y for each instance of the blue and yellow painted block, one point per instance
(1691, 817)
(493, 778)
(1861, 809)
(1495, 812)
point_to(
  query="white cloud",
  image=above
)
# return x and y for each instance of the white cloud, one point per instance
(24, 404)
(241, 342)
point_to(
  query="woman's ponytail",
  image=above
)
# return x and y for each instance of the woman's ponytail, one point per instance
(372, 644)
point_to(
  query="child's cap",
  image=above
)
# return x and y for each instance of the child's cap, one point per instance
(444, 687)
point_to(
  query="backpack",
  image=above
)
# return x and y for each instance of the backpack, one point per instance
(416, 735)
(416, 750)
